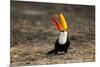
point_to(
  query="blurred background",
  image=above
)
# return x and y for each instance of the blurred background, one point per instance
(33, 33)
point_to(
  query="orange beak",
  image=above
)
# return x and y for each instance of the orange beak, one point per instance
(62, 26)
(63, 22)
(57, 23)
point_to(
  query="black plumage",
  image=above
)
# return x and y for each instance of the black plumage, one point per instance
(60, 47)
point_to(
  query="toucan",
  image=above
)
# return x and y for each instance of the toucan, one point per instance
(63, 42)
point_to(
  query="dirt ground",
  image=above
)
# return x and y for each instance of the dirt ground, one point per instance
(33, 34)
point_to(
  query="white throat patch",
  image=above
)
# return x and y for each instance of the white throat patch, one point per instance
(63, 37)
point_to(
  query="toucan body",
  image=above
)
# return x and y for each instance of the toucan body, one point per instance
(62, 43)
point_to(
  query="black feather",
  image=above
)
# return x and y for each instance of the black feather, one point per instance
(60, 47)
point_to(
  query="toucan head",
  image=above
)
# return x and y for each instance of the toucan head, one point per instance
(62, 25)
